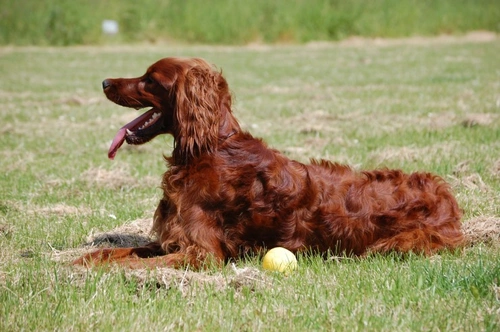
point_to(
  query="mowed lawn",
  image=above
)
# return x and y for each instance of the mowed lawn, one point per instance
(415, 104)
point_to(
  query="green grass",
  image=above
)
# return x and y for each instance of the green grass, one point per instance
(69, 22)
(427, 105)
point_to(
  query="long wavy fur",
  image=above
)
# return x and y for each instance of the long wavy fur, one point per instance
(227, 194)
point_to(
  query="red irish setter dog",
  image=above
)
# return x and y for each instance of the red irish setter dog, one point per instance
(227, 194)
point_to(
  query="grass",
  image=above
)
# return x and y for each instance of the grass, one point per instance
(70, 22)
(416, 104)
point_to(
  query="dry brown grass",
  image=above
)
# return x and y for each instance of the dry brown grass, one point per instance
(188, 282)
(60, 209)
(413, 154)
(479, 119)
(137, 233)
(479, 230)
(483, 229)
(116, 178)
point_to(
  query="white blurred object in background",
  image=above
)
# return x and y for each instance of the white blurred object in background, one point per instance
(110, 27)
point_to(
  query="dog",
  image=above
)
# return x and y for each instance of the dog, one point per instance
(227, 194)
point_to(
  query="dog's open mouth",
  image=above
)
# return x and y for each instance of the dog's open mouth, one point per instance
(138, 131)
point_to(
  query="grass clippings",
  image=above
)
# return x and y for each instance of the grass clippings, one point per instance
(484, 229)
(187, 281)
(60, 209)
(479, 119)
(133, 234)
(116, 178)
(137, 233)
(479, 230)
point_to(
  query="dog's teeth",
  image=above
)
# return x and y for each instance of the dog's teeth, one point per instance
(129, 132)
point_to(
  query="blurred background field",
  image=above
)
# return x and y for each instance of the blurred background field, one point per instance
(70, 22)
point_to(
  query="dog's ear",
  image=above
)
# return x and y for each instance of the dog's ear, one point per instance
(198, 97)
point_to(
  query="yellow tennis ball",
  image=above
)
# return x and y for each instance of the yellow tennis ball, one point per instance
(279, 259)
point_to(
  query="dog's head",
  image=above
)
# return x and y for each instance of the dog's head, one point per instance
(187, 98)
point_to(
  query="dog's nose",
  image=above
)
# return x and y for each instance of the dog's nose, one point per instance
(105, 84)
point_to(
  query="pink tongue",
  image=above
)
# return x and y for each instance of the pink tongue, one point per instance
(120, 135)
